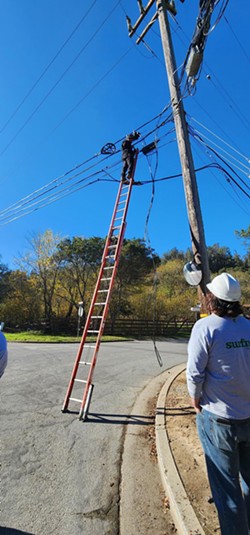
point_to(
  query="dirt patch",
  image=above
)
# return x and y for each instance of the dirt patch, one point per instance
(188, 455)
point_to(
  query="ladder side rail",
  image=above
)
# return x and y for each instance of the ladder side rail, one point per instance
(106, 306)
(88, 319)
(112, 221)
(83, 409)
(83, 339)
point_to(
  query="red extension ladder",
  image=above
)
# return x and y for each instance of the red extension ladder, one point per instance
(83, 370)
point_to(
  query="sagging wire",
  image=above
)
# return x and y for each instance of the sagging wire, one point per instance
(59, 181)
(148, 243)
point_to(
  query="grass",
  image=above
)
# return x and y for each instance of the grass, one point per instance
(38, 337)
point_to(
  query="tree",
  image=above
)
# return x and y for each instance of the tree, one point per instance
(175, 254)
(4, 281)
(80, 259)
(220, 258)
(245, 236)
(22, 305)
(43, 262)
(136, 262)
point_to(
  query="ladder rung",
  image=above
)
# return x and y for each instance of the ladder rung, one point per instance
(106, 279)
(110, 256)
(93, 331)
(116, 228)
(74, 399)
(109, 267)
(121, 210)
(112, 246)
(117, 218)
(80, 381)
(99, 304)
(102, 291)
(96, 317)
(84, 363)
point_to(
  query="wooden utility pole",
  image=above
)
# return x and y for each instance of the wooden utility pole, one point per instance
(187, 164)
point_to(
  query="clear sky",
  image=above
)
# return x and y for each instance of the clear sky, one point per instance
(72, 80)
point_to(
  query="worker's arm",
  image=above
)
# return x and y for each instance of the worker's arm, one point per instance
(196, 365)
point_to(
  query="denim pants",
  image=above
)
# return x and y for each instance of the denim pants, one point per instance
(226, 444)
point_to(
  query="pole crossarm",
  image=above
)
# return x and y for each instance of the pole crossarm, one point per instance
(154, 18)
(140, 19)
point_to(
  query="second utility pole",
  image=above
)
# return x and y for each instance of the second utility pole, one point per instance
(188, 172)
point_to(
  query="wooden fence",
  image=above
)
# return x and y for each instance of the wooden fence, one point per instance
(143, 328)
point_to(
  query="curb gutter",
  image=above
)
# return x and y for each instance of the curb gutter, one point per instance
(182, 512)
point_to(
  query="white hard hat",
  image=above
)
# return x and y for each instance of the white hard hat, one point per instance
(225, 287)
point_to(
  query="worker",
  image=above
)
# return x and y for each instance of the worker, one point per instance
(3, 353)
(128, 155)
(218, 377)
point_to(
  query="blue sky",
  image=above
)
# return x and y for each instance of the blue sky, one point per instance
(73, 80)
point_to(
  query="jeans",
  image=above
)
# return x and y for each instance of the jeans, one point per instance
(226, 444)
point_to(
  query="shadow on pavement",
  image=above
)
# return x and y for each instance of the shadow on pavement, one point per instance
(125, 419)
(174, 411)
(121, 419)
(12, 531)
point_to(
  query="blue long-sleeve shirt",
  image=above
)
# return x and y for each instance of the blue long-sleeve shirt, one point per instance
(3, 353)
(218, 367)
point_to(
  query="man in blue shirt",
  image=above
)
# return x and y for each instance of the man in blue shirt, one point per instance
(218, 380)
(3, 353)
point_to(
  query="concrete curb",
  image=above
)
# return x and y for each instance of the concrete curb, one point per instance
(182, 512)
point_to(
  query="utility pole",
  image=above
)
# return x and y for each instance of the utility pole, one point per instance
(188, 172)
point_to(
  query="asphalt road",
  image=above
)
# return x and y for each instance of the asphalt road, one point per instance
(59, 475)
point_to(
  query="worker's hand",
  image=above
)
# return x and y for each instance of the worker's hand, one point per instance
(196, 405)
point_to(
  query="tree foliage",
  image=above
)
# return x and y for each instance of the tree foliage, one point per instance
(56, 274)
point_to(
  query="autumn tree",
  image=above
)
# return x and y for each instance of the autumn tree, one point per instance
(80, 259)
(21, 307)
(43, 263)
(244, 235)
(136, 262)
(4, 281)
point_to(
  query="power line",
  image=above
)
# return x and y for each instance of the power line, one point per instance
(47, 67)
(58, 80)
(227, 154)
(93, 88)
(237, 39)
(229, 175)
(36, 196)
(218, 137)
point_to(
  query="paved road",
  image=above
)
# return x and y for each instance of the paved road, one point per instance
(61, 476)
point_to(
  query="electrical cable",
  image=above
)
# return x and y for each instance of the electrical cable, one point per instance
(237, 39)
(218, 137)
(227, 165)
(47, 67)
(228, 154)
(58, 80)
(59, 180)
(94, 86)
(247, 212)
(148, 242)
